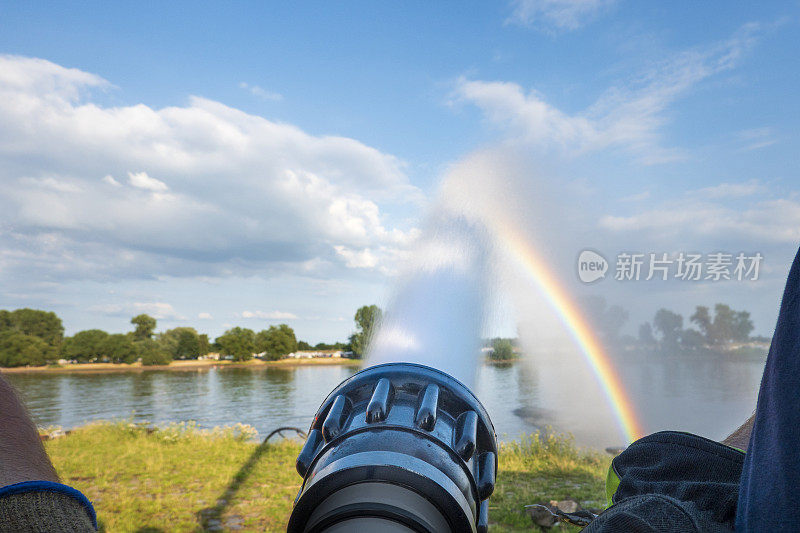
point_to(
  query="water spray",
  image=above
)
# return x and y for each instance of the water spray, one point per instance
(397, 447)
(401, 446)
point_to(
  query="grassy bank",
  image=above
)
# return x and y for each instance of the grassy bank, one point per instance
(190, 364)
(182, 479)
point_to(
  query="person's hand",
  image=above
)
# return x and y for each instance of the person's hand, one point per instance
(22, 455)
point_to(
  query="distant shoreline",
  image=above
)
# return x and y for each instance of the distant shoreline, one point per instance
(180, 365)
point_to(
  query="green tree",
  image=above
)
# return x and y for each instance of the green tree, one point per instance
(691, 339)
(145, 326)
(152, 353)
(34, 323)
(19, 349)
(5, 320)
(276, 342)
(120, 348)
(702, 318)
(727, 325)
(43, 324)
(646, 337)
(85, 346)
(205, 345)
(181, 343)
(188, 345)
(722, 327)
(742, 326)
(367, 319)
(240, 343)
(670, 326)
(327, 346)
(608, 320)
(303, 345)
(502, 350)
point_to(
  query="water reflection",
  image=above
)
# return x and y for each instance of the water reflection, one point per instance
(709, 395)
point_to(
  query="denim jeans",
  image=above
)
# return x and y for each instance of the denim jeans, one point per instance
(768, 492)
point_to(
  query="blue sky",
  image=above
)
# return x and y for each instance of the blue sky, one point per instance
(260, 163)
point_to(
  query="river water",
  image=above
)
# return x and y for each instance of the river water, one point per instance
(708, 395)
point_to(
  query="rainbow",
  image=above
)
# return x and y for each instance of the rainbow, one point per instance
(580, 330)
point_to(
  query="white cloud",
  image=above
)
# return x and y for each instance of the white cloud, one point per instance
(765, 222)
(29, 75)
(52, 184)
(357, 258)
(141, 180)
(205, 316)
(732, 190)
(271, 315)
(264, 94)
(109, 179)
(638, 197)
(757, 138)
(245, 193)
(744, 214)
(628, 117)
(558, 14)
(158, 310)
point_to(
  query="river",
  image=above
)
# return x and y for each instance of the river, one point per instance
(708, 395)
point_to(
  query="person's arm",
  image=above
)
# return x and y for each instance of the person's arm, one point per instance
(22, 455)
(31, 497)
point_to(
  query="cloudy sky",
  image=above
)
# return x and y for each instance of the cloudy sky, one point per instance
(252, 165)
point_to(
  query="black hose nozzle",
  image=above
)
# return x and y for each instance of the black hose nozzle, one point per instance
(398, 447)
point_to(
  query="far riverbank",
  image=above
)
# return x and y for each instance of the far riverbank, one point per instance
(181, 365)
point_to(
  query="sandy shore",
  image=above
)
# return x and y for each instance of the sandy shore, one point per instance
(179, 365)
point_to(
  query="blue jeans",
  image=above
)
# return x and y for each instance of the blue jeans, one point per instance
(769, 490)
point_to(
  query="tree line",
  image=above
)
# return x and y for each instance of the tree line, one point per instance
(667, 331)
(32, 337)
(724, 328)
(717, 330)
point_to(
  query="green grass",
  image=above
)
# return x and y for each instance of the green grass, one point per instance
(539, 468)
(180, 478)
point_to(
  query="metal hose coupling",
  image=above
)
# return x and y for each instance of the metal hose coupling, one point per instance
(397, 447)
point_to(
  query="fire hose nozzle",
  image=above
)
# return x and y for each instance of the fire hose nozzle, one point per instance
(397, 448)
